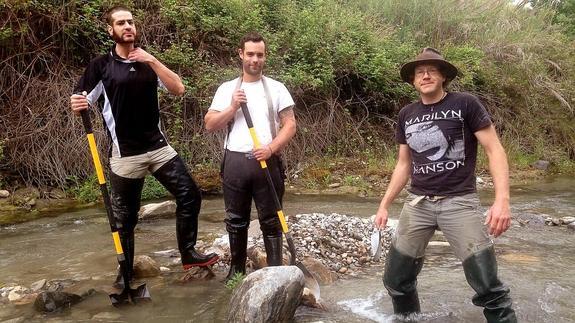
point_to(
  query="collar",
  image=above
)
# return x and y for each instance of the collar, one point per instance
(117, 57)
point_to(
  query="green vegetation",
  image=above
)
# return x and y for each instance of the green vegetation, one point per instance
(87, 191)
(153, 189)
(235, 281)
(339, 58)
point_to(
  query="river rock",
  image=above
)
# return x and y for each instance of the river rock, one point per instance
(37, 286)
(50, 302)
(258, 257)
(144, 266)
(197, 273)
(319, 271)
(157, 210)
(541, 164)
(4, 194)
(17, 293)
(567, 219)
(254, 231)
(308, 298)
(106, 316)
(271, 294)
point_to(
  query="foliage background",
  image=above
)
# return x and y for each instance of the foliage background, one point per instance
(339, 58)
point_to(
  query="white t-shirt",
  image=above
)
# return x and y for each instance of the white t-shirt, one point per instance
(239, 138)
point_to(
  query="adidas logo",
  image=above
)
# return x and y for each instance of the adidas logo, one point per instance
(132, 69)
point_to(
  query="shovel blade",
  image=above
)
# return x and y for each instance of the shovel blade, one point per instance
(131, 296)
(310, 281)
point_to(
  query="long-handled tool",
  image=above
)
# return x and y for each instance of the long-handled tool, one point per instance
(311, 283)
(128, 295)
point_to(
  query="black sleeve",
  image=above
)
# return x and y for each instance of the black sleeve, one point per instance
(91, 80)
(477, 116)
(399, 128)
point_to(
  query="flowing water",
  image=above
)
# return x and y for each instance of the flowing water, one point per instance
(536, 261)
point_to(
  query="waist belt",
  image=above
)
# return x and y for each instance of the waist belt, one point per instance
(432, 198)
(248, 155)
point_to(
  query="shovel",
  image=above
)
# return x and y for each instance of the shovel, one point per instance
(128, 295)
(310, 281)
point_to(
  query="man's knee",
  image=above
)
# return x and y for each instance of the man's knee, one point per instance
(236, 223)
(270, 225)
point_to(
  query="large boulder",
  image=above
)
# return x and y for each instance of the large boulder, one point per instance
(157, 210)
(271, 294)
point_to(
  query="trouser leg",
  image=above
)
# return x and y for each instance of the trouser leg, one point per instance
(125, 200)
(462, 225)
(267, 210)
(174, 176)
(417, 223)
(237, 199)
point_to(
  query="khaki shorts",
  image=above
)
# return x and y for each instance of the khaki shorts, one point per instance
(458, 217)
(139, 166)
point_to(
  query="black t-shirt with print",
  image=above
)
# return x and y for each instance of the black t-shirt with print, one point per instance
(442, 143)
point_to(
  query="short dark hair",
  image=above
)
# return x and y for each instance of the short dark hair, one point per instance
(111, 11)
(251, 36)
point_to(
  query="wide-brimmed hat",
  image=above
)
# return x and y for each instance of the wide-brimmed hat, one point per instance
(428, 55)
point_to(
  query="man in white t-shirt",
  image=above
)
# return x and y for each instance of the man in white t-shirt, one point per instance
(271, 107)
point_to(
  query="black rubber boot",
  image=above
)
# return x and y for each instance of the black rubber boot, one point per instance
(400, 280)
(481, 273)
(238, 251)
(125, 200)
(174, 176)
(273, 245)
(127, 240)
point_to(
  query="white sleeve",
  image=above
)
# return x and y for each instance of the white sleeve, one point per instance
(222, 98)
(284, 98)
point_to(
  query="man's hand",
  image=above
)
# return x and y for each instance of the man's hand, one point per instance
(238, 97)
(263, 153)
(498, 218)
(78, 103)
(380, 219)
(140, 55)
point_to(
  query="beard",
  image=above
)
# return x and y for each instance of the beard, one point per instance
(254, 71)
(120, 40)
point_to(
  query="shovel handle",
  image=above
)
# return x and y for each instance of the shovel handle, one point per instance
(264, 166)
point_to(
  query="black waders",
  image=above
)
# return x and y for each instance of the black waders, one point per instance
(174, 176)
(481, 273)
(400, 280)
(238, 251)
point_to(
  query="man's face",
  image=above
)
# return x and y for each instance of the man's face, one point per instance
(123, 29)
(253, 57)
(427, 79)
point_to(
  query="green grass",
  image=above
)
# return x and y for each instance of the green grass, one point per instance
(235, 281)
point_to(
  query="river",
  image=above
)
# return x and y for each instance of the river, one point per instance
(536, 261)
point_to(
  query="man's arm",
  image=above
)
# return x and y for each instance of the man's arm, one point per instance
(285, 134)
(499, 215)
(171, 80)
(216, 120)
(399, 179)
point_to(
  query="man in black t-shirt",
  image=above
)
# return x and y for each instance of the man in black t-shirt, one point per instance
(128, 79)
(438, 138)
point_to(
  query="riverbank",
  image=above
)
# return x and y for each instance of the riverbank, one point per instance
(364, 179)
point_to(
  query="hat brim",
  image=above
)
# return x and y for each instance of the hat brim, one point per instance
(408, 69)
